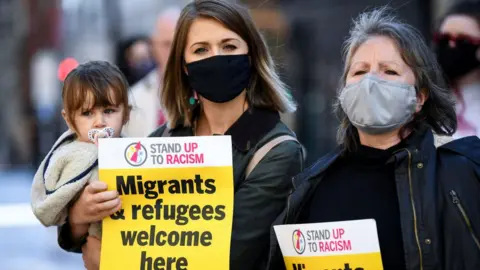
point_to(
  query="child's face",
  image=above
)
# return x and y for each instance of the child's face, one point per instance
(98, 118)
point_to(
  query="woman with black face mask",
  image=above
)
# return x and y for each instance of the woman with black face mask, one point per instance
(220, 80)
(134, 59)
(458, 51)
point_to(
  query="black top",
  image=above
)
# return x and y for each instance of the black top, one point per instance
(361, 185)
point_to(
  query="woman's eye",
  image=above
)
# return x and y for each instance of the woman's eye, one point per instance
(391, 72)
(359, 72)
(200, 50)
(230, 47)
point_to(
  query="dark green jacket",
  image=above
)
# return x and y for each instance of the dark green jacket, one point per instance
(261, 197)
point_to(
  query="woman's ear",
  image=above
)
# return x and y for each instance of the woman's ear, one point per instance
(422, 96)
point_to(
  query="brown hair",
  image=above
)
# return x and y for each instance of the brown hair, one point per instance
(266, 89)
(100, 79)
(438, 111)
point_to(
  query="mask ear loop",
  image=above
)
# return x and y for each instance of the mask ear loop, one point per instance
(193, 100)
(249, 90)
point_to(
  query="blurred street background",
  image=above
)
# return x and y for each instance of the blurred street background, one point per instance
(305, 37)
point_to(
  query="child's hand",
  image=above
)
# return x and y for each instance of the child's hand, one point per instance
(95, 203)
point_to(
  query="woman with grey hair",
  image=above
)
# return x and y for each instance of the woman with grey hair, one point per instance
(390, 164)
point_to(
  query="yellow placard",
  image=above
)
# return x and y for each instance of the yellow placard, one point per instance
(175, 215)
(344, 262)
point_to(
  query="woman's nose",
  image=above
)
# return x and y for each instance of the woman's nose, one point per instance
(216, 51)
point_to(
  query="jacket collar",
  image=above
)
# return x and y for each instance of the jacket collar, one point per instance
(421, 141)
(318, 167)
(420, 145)
(250, 128)
(247, 131)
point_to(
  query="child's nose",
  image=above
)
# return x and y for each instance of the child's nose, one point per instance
(100, 121)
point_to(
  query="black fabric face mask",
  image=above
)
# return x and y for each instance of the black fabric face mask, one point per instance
(220, 78)
(458, 61)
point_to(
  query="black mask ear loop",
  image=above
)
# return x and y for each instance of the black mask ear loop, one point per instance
(193, 99)
(249, 87)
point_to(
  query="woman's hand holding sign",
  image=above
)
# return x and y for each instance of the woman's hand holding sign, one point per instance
(95, 203)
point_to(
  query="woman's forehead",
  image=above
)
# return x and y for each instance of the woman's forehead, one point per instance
(378, 49)
(209, 30)
(460, 24)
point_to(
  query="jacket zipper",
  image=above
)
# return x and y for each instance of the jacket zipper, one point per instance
(457, 202)
(415, 221)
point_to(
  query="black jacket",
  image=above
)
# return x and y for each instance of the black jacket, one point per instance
(439, 194)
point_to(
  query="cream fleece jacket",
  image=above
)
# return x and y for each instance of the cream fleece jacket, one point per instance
(60, 179)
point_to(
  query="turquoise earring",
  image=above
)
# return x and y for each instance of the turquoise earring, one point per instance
(193, 99)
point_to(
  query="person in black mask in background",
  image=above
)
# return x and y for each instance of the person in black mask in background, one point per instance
(220, 79)
(458, 50)
(134, 58)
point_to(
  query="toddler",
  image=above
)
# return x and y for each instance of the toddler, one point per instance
(95, 105)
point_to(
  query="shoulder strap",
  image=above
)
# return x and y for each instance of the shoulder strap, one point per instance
(166, 132)
(262, 151)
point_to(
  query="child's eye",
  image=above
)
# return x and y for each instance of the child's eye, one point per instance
(109, 111)
(86, 113)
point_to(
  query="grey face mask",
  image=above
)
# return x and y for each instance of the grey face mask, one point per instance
(377, 106)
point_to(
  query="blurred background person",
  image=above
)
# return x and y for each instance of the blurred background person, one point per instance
(458, 51)
(134, 58)
(147, 114)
